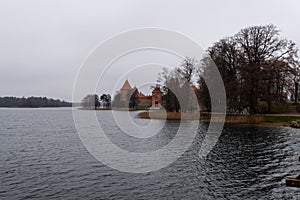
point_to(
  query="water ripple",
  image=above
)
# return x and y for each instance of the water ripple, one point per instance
(42, 158)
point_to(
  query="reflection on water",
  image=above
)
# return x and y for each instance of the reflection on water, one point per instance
(42, 157)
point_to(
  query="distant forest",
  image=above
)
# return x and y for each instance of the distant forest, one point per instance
(32, 102)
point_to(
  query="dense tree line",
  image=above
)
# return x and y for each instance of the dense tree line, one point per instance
(256, 64)
(32, 102)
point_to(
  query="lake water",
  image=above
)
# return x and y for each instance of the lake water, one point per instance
(42, 157)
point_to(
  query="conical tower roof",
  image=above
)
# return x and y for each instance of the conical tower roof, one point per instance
(156, 89)
(126, 86)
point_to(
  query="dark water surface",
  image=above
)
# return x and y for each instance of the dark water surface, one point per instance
(42, 157)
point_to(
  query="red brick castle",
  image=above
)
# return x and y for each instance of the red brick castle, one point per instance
(154, 100)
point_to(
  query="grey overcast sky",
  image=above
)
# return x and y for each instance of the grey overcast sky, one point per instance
(42, 43)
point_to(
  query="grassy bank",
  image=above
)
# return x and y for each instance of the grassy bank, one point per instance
(94, 108)
(280, 119)
(114, 108)
(103, 108)
(201, 116)
(230, 118)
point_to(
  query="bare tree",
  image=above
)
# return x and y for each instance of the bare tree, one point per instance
(90, 101)
(255, 63)
(187, 69)
(258, 46)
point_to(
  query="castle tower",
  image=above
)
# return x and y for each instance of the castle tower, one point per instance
(156, 97)
(125, 89)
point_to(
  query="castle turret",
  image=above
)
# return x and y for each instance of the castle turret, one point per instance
(156, 97)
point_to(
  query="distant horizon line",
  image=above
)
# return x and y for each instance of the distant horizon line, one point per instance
(20, 97)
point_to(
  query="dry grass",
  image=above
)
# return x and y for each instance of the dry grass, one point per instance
(244, 119)
(103, 108)
(169, 115)
(123, 109)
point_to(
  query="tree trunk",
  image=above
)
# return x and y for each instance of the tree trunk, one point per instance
(296, 91)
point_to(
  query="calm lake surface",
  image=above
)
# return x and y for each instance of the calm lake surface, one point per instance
(42, 157)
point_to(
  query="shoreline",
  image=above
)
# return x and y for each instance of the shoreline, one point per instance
(262, 120)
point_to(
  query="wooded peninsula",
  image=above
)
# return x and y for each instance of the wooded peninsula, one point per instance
(32, 102)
